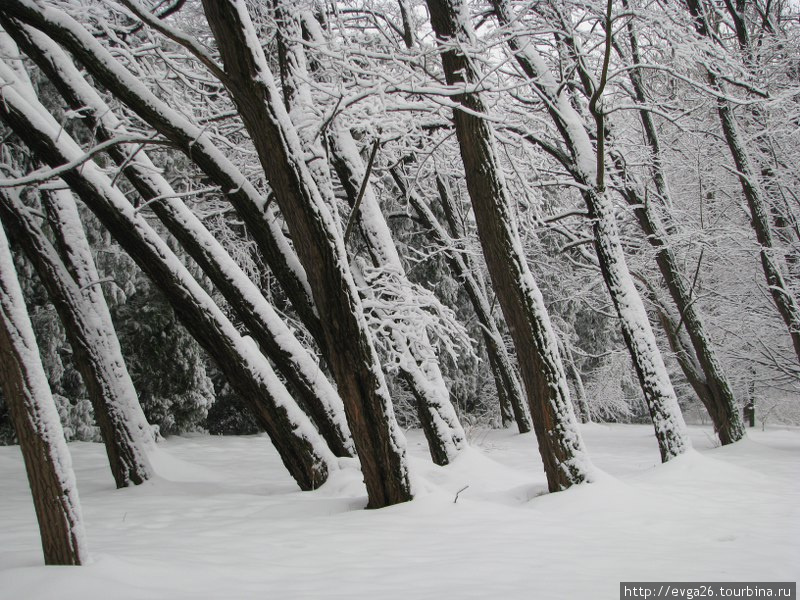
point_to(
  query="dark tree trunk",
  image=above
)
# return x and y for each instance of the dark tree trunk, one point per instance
(556, 429)
(409, 31)
(436, 447)
(785, 225)
(636, 331)
(717, 396)
(783, 297)
(476, 291)
(443, 431)
(495, 346)
(353, 359)
(686, 357)
(303, 452)
(420, 369)
(581, 402)
(509, 387)
(506, 413)
(96, 357)
(35, 418)
(307, 383)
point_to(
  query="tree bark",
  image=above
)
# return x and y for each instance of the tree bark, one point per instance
(421, 371)
(474, 285)
(420, 368)
(506, 413)
(353, 360)
(686, 357)
(33, 412)
(187, 137)
(783, 297)
(662, 403)
(509, 386)
(560, 444)
(581, 402)
(716, 394)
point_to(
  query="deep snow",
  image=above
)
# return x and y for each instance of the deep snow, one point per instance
(225, 521)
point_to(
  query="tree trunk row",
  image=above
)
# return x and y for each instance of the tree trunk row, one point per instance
(304, 453)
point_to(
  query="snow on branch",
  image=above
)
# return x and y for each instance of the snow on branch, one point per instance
(41, 175)
(400, 314)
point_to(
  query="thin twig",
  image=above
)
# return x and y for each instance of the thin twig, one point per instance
(354, 214)
(458, 492)
(179, 37)
(97, 282)
(691, 290)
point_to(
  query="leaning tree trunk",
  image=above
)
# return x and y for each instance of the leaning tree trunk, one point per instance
(636, 330)
(587, 169)
(355, 367)
(96, 351)
(784, 223)
(297, 441)
(560, 444)
(314, 392)
(504, 402)
(503, 369)
(318, 242)
(717, 396)
(75, 288)
(782, 295)
(35, 418)
(70, 237)
(684, 354)
(420, 369)
(581, 401)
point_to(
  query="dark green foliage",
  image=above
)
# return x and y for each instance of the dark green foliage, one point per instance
(166, 364)
(229, 415)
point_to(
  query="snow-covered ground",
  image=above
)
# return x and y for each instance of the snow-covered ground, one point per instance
(224, 521)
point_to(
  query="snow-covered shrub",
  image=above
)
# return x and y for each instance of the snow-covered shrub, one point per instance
(77, 419)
